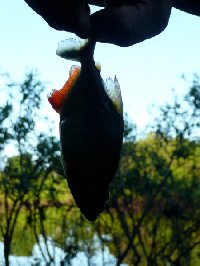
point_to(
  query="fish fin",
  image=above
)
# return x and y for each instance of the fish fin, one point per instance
(57, 97)
(113, 91)
(71, 48)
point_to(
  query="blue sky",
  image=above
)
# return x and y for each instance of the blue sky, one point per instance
(147, 71)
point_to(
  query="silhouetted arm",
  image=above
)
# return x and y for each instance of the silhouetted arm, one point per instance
(127, 22)
(96, 2)
(189, 6)
(121, 22)
(67, 15)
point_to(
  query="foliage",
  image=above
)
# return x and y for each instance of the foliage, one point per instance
(153, 216)
(157, 189)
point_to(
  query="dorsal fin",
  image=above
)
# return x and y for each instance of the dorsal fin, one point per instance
(57, 97)
(113, 91)
(72, 48)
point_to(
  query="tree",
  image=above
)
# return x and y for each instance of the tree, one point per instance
(34, 196)
(153, 216)
(17, 123)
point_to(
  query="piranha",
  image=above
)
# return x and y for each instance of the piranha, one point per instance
(91, 127)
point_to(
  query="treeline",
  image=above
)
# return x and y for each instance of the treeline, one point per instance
(153, 217)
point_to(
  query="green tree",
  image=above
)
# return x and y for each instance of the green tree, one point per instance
(35, 200)
(153, 217)
(17, 123)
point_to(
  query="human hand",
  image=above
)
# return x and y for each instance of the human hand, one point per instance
(127, 22)
(121, 22)
(67, 15)
(189, 6)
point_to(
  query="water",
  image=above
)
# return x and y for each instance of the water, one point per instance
(100, 258)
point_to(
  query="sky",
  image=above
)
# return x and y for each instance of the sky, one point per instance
(147, 72)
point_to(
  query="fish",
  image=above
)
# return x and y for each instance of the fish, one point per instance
(91, 127)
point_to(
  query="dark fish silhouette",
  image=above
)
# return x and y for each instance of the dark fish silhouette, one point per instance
(91, 128)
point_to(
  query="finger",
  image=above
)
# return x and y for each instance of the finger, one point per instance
(130, 24)
(190, 6)
(65, 15)
(73, 16)
(97, 2)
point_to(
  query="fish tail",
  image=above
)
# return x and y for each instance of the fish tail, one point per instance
(57, 97)
(80, 50)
